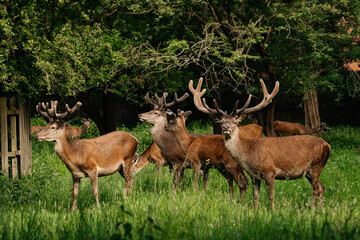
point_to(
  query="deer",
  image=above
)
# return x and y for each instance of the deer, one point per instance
(166, 140)
(252, 130)
(35, 129)
(269, 158)
(291, 128)
(93, 158)
(76, 132)
(206, 152)
(152, 154)
(71, 132)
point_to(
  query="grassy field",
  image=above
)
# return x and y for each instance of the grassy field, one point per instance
(38, 206)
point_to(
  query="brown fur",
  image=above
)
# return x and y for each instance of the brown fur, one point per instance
(36, 129)
(250, 131)
(76, 132)
(167, 142)
(293, 128)
(280, 158)
(71, 132)
(93, 158)
(206, 152)
(152, 154)
(269, 158)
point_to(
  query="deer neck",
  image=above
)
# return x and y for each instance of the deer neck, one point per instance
(165, 140)
(183, 136)
(236, 144)
(63, 147)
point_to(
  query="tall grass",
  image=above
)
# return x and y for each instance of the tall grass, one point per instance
(38, 206)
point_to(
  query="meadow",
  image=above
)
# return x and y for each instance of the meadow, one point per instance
(39, 205)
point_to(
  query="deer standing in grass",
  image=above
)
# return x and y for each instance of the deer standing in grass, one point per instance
(206, 152)
(166, 140)
(93, 158)
(270, 158)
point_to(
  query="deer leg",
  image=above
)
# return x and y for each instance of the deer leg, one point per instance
(240, 179)
(197, 168)
(76, 184)
(128, 175)
(270, 182)
(205, 177)
(178, 175)
(93, 180)
(256, 190)
(229, 179)
(316, 184)
(321, 193)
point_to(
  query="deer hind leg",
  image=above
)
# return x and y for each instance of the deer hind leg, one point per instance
(94, 182)
(270, 182)
(318, 187)
(128, 176)
(256, 190)
(178, 174)
(76, 184)
(205, 177)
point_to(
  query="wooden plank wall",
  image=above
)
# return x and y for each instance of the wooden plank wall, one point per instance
(16, 155)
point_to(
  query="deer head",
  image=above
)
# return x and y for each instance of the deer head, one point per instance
(56, 126)
(173, 121)
(160, 105)
(229, 121)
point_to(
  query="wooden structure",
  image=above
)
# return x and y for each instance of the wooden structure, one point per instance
(15, 155)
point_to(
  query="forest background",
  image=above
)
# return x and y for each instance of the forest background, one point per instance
(108, 54)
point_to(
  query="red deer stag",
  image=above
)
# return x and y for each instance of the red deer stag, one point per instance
(247, 131)
(269, 158)
(166, 140)
(206, 152)
(93, 158)
(152, 154)
(290, 128)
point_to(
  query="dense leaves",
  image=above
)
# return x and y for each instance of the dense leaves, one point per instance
(67, 47)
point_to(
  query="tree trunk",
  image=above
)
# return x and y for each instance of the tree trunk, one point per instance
(101, 108)
(311, 109)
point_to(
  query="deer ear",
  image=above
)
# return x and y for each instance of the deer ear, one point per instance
(187, 114)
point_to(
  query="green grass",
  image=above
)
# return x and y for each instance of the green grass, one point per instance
(38, 206)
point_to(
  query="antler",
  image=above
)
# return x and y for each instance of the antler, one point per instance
(266, 100)
(197, 97)
(161, 103)
(51, 113)
(203, 107)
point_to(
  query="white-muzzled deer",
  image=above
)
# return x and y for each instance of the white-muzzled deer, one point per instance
(247, 131)
(206, 152)
(292, 128)
(93, 158)
(269, 158)
(152, 154)
(166, 140)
